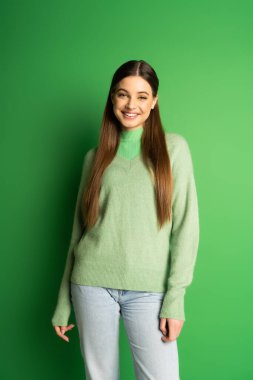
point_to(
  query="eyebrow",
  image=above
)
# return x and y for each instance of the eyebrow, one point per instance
(138, 91)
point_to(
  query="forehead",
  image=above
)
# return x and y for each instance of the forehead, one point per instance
(134, 84)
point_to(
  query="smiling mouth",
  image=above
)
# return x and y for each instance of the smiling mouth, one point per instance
(130, 115)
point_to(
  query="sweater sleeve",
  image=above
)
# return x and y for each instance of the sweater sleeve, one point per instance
(184, 238)
(63, 306)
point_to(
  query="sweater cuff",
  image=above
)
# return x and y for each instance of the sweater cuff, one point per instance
(173, 306)
(61, 315)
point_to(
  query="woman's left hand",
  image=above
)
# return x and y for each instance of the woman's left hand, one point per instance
(170, 328)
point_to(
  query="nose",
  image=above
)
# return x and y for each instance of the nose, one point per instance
(130, 104)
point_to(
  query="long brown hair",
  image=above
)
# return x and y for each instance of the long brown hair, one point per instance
(153, 149)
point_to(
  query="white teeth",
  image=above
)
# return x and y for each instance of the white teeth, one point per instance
(130, 114)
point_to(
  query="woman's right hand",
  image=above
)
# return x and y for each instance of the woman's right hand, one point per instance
(60, 331)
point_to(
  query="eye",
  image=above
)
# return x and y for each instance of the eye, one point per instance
(143, 97)
(121, 94)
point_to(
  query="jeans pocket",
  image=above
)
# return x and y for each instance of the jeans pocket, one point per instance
(157, 295)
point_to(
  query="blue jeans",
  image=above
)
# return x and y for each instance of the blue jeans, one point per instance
(98, 311)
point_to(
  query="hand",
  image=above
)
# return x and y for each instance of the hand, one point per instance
(60, 331)
(172, 331)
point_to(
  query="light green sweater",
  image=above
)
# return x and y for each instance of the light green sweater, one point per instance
(125, 248)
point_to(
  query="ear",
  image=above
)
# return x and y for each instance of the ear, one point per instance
(154, 102)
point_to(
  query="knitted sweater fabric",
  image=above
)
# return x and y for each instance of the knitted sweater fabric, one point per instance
(125, 249)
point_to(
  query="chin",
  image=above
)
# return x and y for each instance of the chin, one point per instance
(130, 123)
(130, 126)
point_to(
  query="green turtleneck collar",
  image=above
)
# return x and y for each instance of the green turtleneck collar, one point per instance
(130, 143)
(128, 135)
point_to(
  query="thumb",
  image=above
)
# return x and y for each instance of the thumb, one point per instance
(163, 327)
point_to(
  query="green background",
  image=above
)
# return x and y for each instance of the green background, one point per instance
(57, 61)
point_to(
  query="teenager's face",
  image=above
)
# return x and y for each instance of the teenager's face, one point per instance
(132, 102)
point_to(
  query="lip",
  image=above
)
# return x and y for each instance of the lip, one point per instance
(134, 113)
(126, 117)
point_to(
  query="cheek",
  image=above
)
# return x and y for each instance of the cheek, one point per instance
(118, 104)
(146, 108)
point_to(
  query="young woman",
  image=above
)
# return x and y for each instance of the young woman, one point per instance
(135, 236)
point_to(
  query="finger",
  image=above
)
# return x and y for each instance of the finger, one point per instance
(60, 331)
(162, 326)
(168, 339)
(57, 328)
(69, 327)
(63, 336)
(172, 335)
